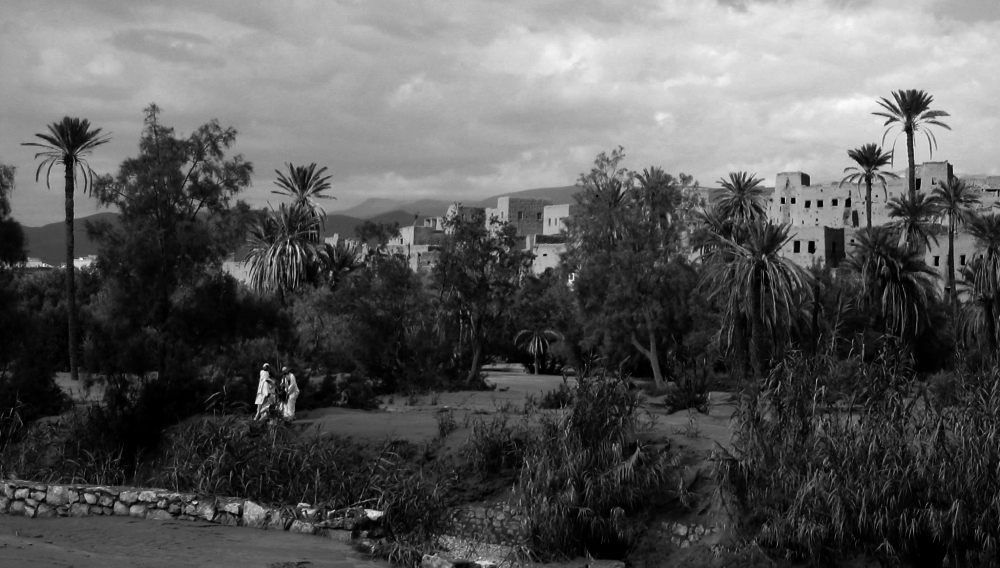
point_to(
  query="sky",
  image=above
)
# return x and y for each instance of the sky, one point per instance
(460, 100)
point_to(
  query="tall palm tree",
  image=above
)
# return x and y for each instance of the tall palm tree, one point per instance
(870, 160)
(897, 286)
(911, 111)
(753, 280)
(984, 281)
(956, 201)
(68, 143)
(281, 249)
(913, 216)
(743, 201)
(305, 185)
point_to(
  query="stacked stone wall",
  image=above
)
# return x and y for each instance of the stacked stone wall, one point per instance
(500, 523)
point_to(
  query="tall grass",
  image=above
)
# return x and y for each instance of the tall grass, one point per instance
(889, 471)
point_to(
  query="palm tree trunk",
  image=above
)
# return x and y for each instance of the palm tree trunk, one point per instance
(70, 274)
(951, 259)
(911, 172)
(538, 362)
(868, 201)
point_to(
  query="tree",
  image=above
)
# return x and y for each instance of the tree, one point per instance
(953, 199)
(977, 318)
(11, 233)
(913, 215)
(897, 287)
(632, 281)
(281, 249)
(305, 185)
(870, 160)
(750, 279)
(536, 342)
(477, 274)
(743, 201)
(983, 281)
(68, 143)
(911, 111)
(178, 219)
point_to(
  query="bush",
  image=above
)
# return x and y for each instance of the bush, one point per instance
(496, 446)
(692, 390)
(586, 482)
(884, 473)
(560, 397)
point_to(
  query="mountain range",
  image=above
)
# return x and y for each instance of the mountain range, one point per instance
(47, 243)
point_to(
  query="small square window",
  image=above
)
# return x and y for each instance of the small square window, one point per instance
(782, 200)
(520, 215)
(796, 246)
(819, 203)
(834, 203)
(538, 216)
(847, 203)
(808, 203)
(812, 247)
(793, 201)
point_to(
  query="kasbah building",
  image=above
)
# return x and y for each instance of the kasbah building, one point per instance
(824, 219)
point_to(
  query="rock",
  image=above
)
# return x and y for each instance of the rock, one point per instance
(148, 496)
(74, 496)
(22, 493)
(434, 561)
(57, 495)
(45, 511)
(38, 495)
(254, 515)
(8, 490)
(174, 509)
(279, 522)
(79, 510)
(97, 510)
(159, 515)
(31, 502)
(233, 508)
(302, 527)
(605, 564)
(190, 510)
(4, 503)
(120, 509)
(205, 510)
(17, 509)
(335, 534)
(106, 501)
(128, 497)
(138, 510)
(480, 513)
(107, 510)
(162, 504)
(229, 519)
(373, 515)
(680, 529)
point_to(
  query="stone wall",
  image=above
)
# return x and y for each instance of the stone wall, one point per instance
(41, 500)
(500, 523)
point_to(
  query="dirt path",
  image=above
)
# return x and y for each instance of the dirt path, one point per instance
(122, 542)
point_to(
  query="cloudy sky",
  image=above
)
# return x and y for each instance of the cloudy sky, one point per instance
(464, 99)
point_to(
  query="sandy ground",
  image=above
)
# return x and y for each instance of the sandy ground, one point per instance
(120, 542)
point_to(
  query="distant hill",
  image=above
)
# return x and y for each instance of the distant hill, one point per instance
(377, 206)
(48, 242)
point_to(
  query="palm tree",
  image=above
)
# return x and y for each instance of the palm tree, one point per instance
(956, 201)
(910, 110)
(68, 143)
(977, 319)
(870, 160)
(338, 261)
(536, 342)
(897, 286)
(281, 249)
(753, 280)
(304, 184)
(913, 216)
(743, 201)
(983, 282)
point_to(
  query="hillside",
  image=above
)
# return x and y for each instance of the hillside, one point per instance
(48, 242)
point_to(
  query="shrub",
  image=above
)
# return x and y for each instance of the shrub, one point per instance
(885, 473)
(585, 480)
(496, 445)
(692, 390)
(560, 397)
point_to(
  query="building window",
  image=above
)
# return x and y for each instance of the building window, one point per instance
(961, 260)
(538, 216)
(819, 203)
(550, 221)
(933, 181)
(808, 203)
(812, 247)
(793, 201)
(796, 246)
(834, 203)
(937, 261)
(847, 203)
(918, 183)
(520, 215)
(782, 200)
